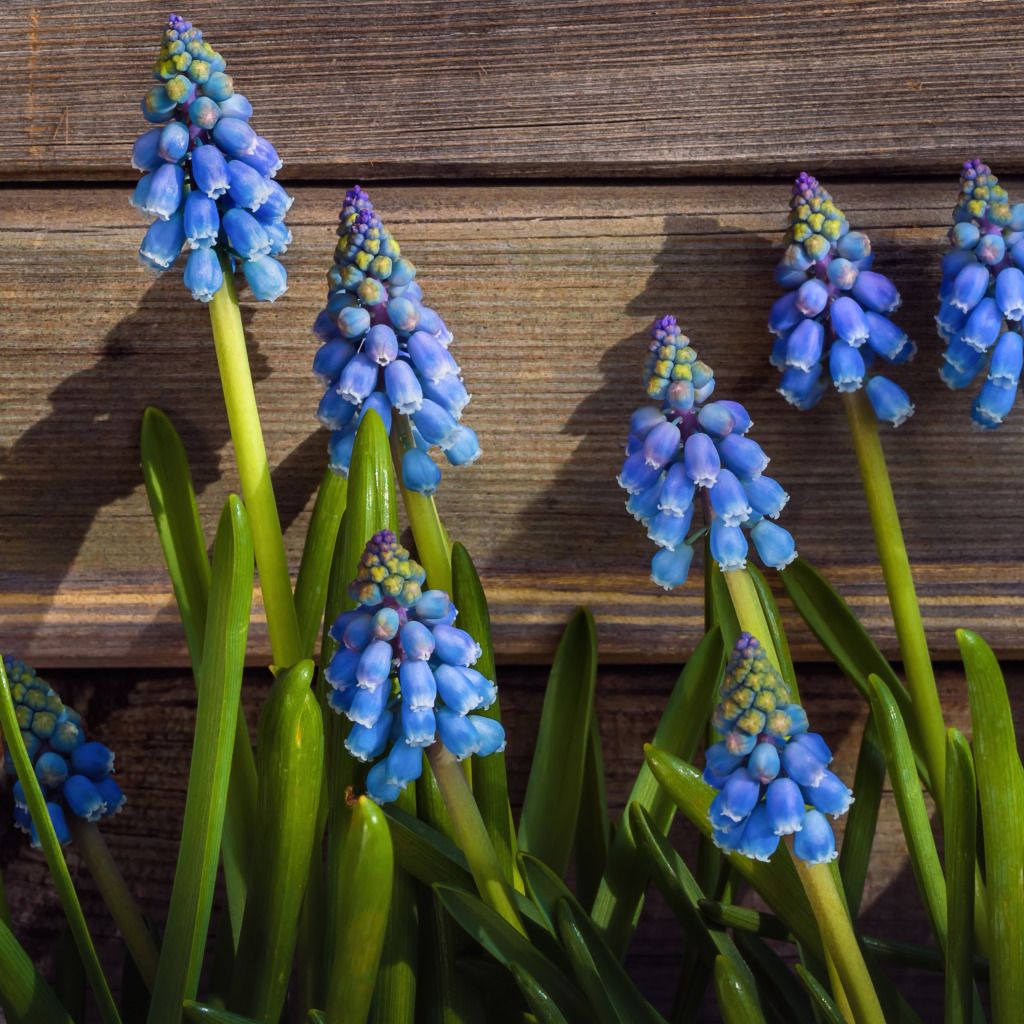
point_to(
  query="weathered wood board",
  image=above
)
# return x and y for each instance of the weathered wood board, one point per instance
(536, 88)
(550, 291)
(147, 718)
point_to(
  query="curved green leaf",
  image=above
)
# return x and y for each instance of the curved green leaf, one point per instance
(681, 891)
(1001, 792)
(620, 895)
(172, 500)
(490, 784)
(602, 977)
(906, 786)
(551, 805)
(367, 869)
(289, 767)
(961, 842)
(736, 998)
(315, 567)
(822, 1000)
(840, 632)
(227, 627)
(776, 881)
(173, 503)
(541, 1005)
(862, 821)
(507, 945)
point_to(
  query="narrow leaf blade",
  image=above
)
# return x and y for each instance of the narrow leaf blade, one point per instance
(620, 895)
(736, 999)
(551, 804)
(1001, 792)
(227, 626)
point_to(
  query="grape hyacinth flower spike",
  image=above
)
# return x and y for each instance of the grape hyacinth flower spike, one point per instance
(73, 774)
(383, 349)
(686, 445)
(208, 177)
(982, 295)
(832, 323)
(403, 674)
(770, 772)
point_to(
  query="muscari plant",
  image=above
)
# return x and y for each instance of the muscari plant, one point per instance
(367, 848)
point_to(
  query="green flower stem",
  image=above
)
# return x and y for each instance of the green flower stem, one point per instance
(472, 834)
(839, 941)
(254, 472)
(52, 851)
(749, 611)
(433, 547)
(899, 584)
(108, 878)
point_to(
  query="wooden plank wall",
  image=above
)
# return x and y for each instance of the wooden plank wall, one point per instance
(561, 173)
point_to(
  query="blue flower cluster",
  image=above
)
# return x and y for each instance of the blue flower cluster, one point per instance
(403, 674)
(982, 294)
(208, 175)
(769, 768)
(74, 775)
(688, 443)
(383, 348)
(835, 301)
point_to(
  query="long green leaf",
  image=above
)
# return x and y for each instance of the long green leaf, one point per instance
(227, 627)
(600, 974)
(774, 980)
(490, 783)
(620, 895)
(289, 767)
(198, 1013)
(840, 632)
(593, 831)
(822, 1001)
(1001, 791)
(315, 567)
(541, 1005)
(776, 881)
(173, 503)
(681, 891)
(551, 805)
(10, 729)
(394, 998)
(23, 989)
(368, 866)
(172, 500)
(725, 613)
(736, 998)
(906, 786)
(961, 838)
(862, 821)
(506, 945)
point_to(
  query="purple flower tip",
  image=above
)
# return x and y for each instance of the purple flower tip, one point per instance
(805, 184)
(974, 168)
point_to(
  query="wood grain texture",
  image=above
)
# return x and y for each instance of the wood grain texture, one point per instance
(550, 291)
(147, 718)
(580, 87)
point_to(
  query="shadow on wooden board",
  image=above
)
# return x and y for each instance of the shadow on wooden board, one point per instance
(96, 415)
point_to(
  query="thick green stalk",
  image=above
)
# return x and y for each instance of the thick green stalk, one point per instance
(899, 584)
(472, 835)
(749, 611)
(839, 941)
(254, 472)
(111, 884)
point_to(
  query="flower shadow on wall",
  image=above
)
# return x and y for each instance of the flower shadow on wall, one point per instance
(83, 455)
